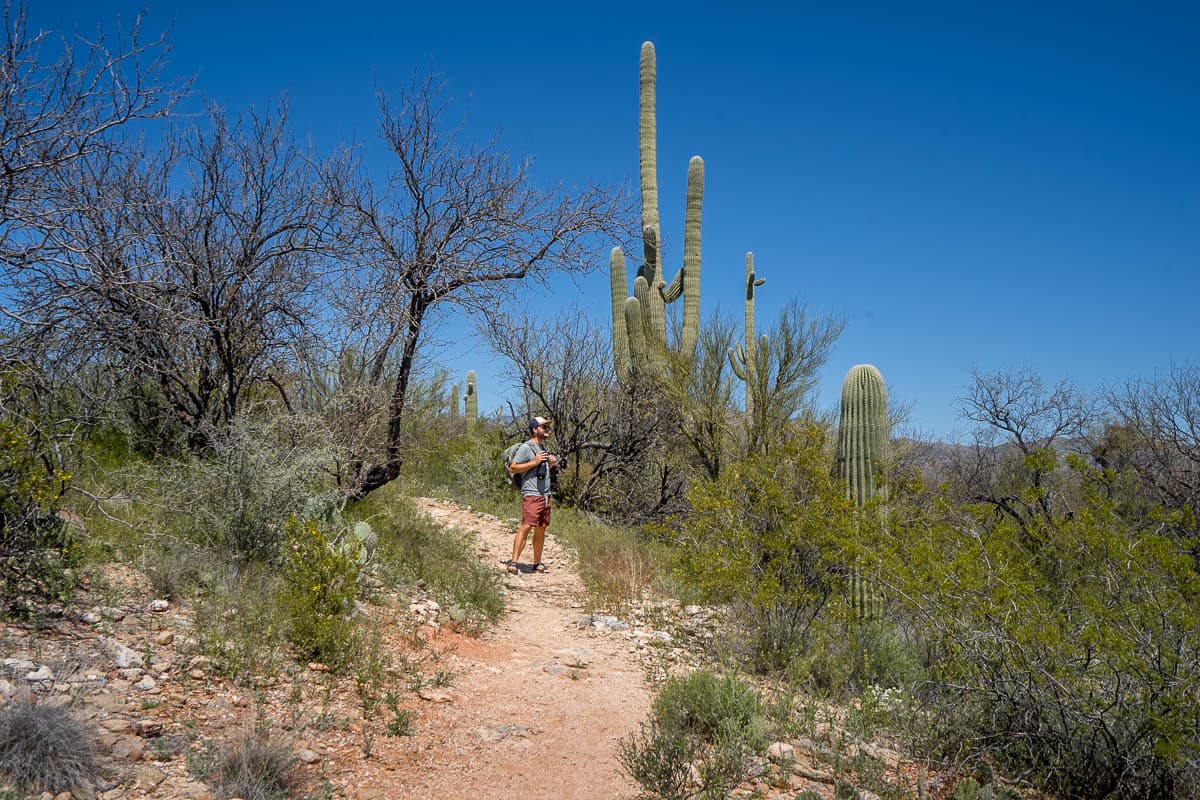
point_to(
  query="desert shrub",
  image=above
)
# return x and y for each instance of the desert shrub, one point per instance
(845, 656)
(46, 749)
(660, 761)
(238, 621)
(235, 498)
(318, 585)
(769, 539)
(1068, 647)
(702, 732)
(704, 704)
(175, 568)
(255, 766)
(38, 551)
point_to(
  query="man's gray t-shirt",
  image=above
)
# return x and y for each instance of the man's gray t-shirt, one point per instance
(537, 480)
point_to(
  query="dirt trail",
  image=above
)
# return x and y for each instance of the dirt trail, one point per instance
(539, 704)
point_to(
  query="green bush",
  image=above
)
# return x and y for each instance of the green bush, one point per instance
(706, 706)
(846, 656)
(769, 539)
(38, 551)
(238, 621)
(318, 585)
(46, 749)
(703, 730)
(235, 498)
(1067, 646)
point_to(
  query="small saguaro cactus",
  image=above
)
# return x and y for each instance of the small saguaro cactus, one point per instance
(745, 360)
(862, 447)
(643, 316)
(454, 401)
(862, 451)
(472, 400)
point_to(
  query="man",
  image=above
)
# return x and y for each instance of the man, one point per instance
(534, 462)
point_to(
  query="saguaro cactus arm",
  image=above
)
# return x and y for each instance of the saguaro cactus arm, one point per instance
(620, 339)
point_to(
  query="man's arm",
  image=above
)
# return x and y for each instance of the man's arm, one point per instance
(540, 458)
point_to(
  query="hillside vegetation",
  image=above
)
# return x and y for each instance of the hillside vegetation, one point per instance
(215, 368)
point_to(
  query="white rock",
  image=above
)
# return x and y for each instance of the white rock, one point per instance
(308, 756)
(158, 606)
(42, 673)
(124, 657)
(781, 751)
(90, 617)
(146, 684)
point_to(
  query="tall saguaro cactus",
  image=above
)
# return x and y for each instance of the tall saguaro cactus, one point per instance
(472, 400)
(862, 451)
(454, 401)
(643, 316)
(745, 360)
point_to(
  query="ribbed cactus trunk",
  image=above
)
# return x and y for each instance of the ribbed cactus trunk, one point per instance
(862, 453)
(646, 309)
(648, 166)
(454, 401)
(863, 433)
(472, 400)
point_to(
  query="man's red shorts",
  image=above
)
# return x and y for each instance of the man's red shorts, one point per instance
(535, 510)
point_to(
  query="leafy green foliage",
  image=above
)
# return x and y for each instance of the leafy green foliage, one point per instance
(706, 705)
(771, 538)
(413, 547)
(38, 552)
(238, 622)
(317, 592)
(1068, 643)
(702, 731)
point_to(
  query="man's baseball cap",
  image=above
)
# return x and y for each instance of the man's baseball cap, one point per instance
(536, 421)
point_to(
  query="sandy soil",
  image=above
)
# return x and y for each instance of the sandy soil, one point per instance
(539, 704)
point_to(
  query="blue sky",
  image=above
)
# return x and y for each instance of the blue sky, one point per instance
(973, 187)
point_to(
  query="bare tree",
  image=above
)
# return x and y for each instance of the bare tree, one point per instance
(1013, 464)
(1155, 432)
(452, 224)
(61, 99)
(561, 366)
(197, 295)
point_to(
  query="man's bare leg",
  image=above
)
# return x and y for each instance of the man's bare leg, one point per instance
(519, 542)
(539, 539)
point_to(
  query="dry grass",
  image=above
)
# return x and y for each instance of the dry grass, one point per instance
(46, 749)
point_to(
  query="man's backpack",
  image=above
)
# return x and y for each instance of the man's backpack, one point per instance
(512, 480)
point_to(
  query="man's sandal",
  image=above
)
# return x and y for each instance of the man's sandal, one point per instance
(513, 569)
(540, 567)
